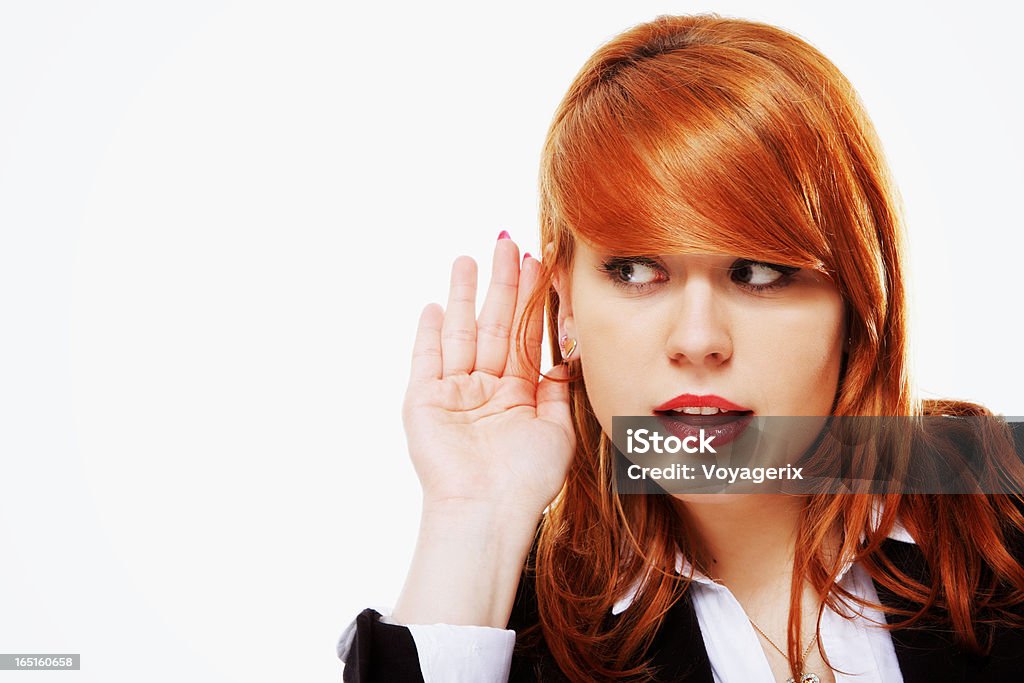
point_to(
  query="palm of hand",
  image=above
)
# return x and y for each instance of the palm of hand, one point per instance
(479, 424)
(486, 439)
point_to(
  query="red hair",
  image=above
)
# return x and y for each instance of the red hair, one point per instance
(753, 141)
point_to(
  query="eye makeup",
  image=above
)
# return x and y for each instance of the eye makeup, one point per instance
(640, 273)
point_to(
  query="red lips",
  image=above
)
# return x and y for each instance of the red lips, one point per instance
(724, 428)
(705, 401)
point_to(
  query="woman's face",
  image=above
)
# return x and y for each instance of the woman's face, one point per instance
(767, 339)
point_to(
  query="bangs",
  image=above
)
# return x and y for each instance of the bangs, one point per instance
(710, 151)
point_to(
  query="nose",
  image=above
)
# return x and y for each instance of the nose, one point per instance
(700, 333)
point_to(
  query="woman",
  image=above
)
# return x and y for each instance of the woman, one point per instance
(720, 234)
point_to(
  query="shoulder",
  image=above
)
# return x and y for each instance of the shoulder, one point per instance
(930, 649)
(676, 654)
(532, 659)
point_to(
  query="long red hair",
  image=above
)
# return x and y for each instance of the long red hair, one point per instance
(700, 133)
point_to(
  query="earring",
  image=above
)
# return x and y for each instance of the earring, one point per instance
(567, 345)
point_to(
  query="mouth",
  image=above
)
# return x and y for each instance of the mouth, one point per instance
(724, 425)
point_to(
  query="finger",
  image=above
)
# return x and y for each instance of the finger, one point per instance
(535, 325)
(518, 357)
(495, 322)
(426, 350)
(458, 332)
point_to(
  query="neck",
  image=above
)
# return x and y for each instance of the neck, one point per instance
(748, 541)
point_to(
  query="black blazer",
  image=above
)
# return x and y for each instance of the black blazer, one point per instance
(384, 652)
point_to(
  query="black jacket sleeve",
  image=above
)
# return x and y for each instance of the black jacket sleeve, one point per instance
(384, 653)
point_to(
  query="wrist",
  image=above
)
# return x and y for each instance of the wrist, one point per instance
(468, 561)
(471, 514)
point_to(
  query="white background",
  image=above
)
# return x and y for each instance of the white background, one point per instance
(219, 221)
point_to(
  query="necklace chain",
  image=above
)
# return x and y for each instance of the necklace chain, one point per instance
(803, 657)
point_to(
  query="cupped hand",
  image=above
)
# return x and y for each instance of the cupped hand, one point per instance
(481, 429)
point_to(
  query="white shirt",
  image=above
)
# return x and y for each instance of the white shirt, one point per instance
(480, 654)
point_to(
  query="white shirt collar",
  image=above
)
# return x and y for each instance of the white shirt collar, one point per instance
(683, 566)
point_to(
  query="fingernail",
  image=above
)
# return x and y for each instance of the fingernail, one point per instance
(526, 256)
(503, 235)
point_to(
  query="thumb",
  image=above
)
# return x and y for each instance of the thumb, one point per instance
(553, 397)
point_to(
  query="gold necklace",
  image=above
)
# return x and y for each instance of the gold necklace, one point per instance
(805, 677)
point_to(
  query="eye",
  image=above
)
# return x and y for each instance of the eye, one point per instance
(761, 276)
(634, 272)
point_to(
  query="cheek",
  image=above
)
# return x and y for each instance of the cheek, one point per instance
(797, 355)
(613, 352)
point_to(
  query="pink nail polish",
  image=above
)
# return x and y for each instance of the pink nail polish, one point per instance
(526, 256)
(503, 235)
